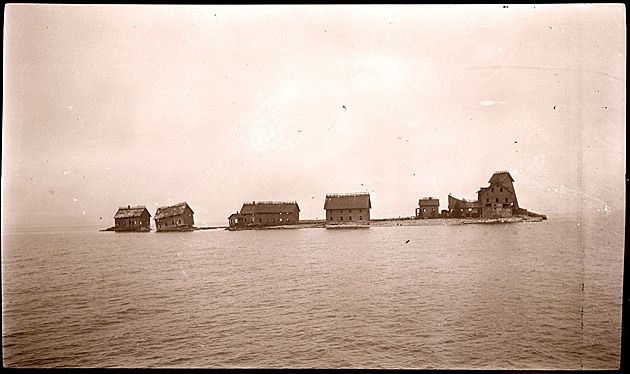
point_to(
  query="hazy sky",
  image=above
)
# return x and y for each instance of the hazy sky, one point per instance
(106, 106)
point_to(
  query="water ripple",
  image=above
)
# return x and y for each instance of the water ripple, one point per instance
(454, 297)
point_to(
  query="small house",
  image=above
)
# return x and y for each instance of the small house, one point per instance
(135, 218)
(428, 207)
(349, 207)
(178, 217)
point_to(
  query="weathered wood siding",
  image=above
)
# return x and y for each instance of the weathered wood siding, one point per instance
(348, 215)
(133, 223)
(177, 222)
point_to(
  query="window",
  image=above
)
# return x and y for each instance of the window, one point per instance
(341, 210)
(350, 218)
(433, 210)
(501, 189)
(424, 210)
(330, 218)
(497, 200)
(350, 211)
(493, 190)
(506, 199)
(259, 220)
(360, 218)
(341, 218)
(487, 200)
(360, 210)
(280, 218)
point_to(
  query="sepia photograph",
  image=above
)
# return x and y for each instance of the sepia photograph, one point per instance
(313, 186)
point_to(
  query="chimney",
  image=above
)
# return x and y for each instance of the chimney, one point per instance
(128, 206)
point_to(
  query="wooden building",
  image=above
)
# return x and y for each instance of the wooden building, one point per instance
(265, 213)
(131, 218)
(462, 208)
(428, 207)
(350, 207)
(178, 217)
(499, 199)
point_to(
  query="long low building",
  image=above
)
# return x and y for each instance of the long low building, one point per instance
(265, 213)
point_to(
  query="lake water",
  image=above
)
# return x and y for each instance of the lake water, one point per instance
(517, 296)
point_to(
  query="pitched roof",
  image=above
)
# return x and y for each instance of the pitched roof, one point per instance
(170, 211)
(429, 201)
(130, 212)
(501, 177)
(269, 207)
(348, 201)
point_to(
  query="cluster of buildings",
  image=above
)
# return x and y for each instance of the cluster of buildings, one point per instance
(498, 200)
(340, 208)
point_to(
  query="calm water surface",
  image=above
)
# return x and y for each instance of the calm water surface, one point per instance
(529, 295)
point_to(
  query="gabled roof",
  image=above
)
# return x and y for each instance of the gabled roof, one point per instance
(429, 201)
(501, 177)
(269, 207)
(131, 212)
(170, 211)
(348, 201)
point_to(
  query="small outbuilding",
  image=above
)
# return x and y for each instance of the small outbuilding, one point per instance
(428, 207)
